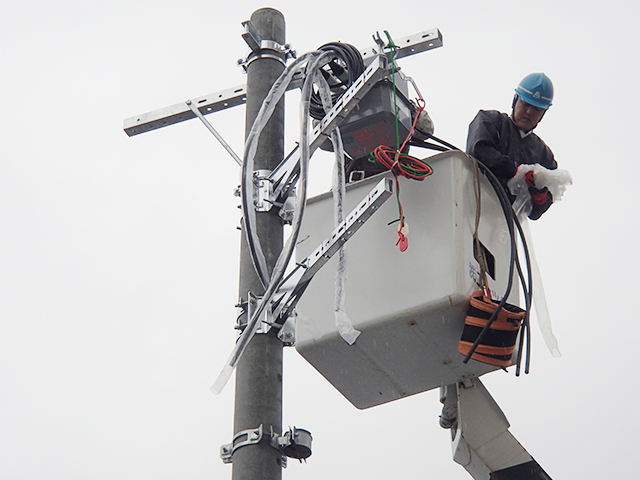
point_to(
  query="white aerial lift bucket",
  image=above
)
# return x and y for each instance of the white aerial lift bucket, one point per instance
(409, 306)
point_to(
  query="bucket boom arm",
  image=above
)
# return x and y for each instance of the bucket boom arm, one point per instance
(480, 437)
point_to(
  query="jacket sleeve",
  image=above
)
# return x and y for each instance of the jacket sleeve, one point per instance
(484, 143)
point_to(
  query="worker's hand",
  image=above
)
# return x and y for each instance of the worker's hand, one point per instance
(539, 197)
(531, 200)
(541, 201)
(530, 178)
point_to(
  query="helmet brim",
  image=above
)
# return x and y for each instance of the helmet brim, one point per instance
(527, 97)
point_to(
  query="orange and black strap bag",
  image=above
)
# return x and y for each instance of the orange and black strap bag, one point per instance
(499, 341)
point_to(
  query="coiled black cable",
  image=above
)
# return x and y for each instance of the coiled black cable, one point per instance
(344, 68)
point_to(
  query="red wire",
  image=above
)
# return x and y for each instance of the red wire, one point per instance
(405, 165)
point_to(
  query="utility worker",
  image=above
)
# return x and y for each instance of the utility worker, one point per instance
(502, 142)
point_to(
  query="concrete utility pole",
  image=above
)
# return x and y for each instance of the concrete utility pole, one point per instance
(258, 397)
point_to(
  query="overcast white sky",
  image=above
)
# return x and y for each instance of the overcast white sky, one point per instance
(118, 256)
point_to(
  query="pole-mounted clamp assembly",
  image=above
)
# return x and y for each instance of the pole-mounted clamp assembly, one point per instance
(243, 438)
(263, 193)
(261, 48)
(295, 443)
(265, 196)
(286, 330)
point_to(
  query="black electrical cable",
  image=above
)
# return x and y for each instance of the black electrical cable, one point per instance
(425, 144)
(344, 68)
(525, 323)
(446, 144)
(510, 219)
(528, 303)
(527, 285)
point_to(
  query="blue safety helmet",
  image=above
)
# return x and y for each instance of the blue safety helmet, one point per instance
(536, 89)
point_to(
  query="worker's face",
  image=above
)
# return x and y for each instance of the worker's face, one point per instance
(526, 116)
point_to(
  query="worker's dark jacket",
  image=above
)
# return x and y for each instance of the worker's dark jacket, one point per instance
(496, 141)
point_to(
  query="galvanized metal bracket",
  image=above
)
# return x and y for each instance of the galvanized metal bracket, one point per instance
(263, 198)
(266, 195)
(287, 333)
(215, 102)
(288, 206)
(282, 307)
(252, 306)
(301, 443)
(241, 439)
(214, 132)
(261, 48)
(293, 286)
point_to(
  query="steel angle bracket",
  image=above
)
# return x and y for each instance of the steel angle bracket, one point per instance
(215, 102)
(180, 112)
(416, 43)
(294, 285)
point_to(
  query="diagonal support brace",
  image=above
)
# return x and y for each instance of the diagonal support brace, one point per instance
(215, 133)
(294, 285)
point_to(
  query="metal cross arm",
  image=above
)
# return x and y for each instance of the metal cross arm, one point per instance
(294, 285)
(416, 43)
(180, 112)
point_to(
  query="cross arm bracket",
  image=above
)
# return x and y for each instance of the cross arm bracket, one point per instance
(180, 112)
(218, 101)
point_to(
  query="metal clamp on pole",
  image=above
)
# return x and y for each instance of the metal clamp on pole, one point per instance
(243, 438)
(263, 197)
(261, 48)
(296, 443)
(251, 305)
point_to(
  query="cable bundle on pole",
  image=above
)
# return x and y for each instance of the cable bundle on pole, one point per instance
(271, 282)
(345, 64)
